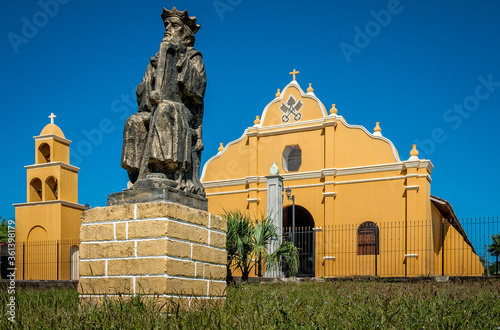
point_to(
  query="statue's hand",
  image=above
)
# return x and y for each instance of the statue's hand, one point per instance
(154, 97)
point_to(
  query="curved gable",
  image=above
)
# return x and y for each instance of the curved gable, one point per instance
(356, 146)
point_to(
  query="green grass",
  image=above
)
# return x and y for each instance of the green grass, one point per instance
(346, 304)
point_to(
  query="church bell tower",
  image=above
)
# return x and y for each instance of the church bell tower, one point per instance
(48, 224)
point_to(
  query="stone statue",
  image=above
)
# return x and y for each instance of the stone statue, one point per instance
(162, 142)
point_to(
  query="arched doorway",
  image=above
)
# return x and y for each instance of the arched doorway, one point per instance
(303, 237)
(38, 256)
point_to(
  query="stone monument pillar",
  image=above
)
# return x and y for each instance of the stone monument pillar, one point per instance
(165, 251)
(275, 213)
(156, 238)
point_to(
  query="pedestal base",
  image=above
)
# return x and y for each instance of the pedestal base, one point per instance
(157, 189)
(162, 251)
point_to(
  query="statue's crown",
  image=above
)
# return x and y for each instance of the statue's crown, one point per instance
(183, 15)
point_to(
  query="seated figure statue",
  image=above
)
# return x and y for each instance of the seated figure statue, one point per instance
(163, 139)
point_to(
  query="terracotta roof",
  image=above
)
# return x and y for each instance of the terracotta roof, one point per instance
(447, 212)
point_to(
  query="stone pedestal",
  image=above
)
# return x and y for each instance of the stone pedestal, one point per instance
(164, 251)
(157, 188)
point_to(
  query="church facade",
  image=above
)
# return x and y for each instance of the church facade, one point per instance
(48, 224)
(359, 208)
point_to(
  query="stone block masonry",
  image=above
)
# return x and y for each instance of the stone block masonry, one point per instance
(164, 251)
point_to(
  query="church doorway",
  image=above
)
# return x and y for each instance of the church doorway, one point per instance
(302, 236)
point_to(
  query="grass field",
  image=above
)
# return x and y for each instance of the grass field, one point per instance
(305, 305)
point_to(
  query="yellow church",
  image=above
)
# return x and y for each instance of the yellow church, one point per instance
(48, 224)
(358, 208)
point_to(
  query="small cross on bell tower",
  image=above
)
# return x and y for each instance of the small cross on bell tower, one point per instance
(52, 116)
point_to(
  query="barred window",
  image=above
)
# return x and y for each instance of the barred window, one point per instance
(368, 239)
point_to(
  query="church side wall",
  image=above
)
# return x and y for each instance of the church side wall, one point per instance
(459, 257)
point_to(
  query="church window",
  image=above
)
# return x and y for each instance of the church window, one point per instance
(44, 154)
(368, 239)
(51, 189)
(35, 190)
(292, 158)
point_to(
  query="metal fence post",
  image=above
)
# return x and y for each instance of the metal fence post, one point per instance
(442, 248)
(57, 262)
(314, 251)
(376, 249)
(487, 261)
(24, 257)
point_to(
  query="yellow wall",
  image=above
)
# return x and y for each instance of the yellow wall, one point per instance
(347, 176)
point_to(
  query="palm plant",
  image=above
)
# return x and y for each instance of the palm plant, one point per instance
(248, 240)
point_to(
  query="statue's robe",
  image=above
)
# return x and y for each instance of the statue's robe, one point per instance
(165, 135)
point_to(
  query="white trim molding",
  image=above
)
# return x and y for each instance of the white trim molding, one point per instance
(329, 258)
(228, 193)
(328, 172)
(330, 194)
(414, 255)
(224, 183)
(57, 201)
(252, 179)
(302, 175)
(427, 176)
(52, 164)
(253, 200)
(412, 188)
(370, 169)
(53, 136)
(370, 180)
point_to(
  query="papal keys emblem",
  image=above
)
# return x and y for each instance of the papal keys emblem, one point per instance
(292, 107)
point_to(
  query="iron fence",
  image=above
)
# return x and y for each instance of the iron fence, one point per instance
(47, 260)
(398, 249)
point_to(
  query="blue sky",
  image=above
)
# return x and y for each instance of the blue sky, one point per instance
(415, 66)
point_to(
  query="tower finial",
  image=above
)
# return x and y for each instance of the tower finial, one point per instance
(52, 116)
(377, 130)
(310, 89)
(413, 153)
